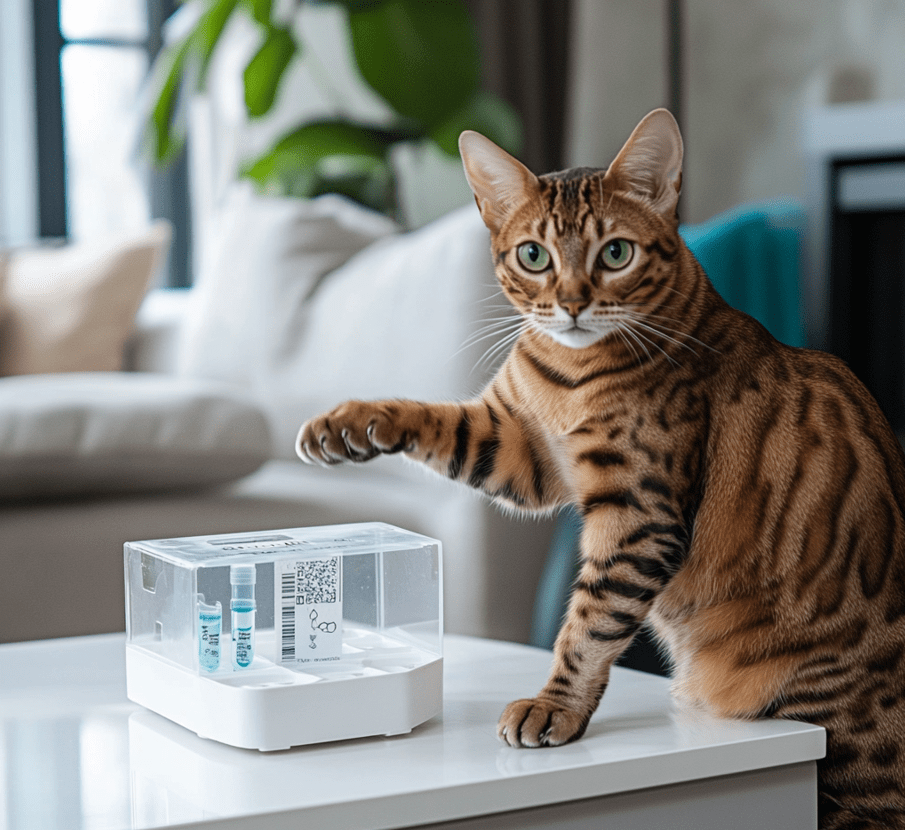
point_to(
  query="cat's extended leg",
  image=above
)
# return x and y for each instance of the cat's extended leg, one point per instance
(481, 443)
(633, 542)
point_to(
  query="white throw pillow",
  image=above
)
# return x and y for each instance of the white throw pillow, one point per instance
(394, 321)
(71, 309)
(269, 255)
(119, 432)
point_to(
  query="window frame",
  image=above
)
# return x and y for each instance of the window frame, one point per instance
(168, 189)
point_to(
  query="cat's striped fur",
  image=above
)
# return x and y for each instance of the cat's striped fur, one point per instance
(744, 497)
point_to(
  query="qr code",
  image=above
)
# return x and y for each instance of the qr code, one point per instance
(317, 581)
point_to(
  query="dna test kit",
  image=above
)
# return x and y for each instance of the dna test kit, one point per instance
(287, 637)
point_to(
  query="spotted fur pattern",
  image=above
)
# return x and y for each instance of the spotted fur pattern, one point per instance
(745, 498)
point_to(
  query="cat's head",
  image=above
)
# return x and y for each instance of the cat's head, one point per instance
(580, 252)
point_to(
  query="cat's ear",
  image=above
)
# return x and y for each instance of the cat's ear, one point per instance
(498, 181)
(650, 163)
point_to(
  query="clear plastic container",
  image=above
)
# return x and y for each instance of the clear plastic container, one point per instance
(236, 637)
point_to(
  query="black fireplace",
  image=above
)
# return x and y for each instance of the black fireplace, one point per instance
(867, 275)
(855, 287)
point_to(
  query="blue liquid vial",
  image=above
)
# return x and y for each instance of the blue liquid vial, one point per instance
(242, 607)
(210, 623)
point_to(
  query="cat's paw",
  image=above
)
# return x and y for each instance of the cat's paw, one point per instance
(539, 722)
(354, 431)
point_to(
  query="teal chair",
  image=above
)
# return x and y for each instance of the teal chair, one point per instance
(752, 255)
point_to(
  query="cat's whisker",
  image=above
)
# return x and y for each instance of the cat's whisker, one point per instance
(478, 337)
(666, 337)
(484, 331)
(498, 351)
(495, 289)
(622, 336)
(634, 335)
(660, 329)
(505, 340)
(500, 323)
(495, 330)
(648, 319)
(633, 308)
(476, 340)
(494, 351)
(486, 301)
(656, 345)
(676, 291)
(687, 335)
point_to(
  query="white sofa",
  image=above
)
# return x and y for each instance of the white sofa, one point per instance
(291, 339)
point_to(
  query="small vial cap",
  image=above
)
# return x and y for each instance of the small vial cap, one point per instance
(242, 575)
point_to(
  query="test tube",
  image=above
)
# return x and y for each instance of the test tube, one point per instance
(242, 606)
(210, 622)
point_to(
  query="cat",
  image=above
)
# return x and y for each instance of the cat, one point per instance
(743, 497)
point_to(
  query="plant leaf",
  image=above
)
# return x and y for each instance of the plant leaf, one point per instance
(164, 133)
(368, 181)
(349, 5)
(260, 10)
(305, 147)
(265, 70)
(487, 114)
(421, 57)
(207, 34)
(186, 58)
(330, 156)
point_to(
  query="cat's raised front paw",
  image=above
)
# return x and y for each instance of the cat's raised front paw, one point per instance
(539, 722)
(354, 431)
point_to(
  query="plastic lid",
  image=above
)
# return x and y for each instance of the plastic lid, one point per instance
(242, 575)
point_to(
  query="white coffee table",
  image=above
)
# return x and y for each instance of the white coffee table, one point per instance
(74, 753)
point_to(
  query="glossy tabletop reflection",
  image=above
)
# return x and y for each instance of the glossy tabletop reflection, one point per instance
(75, 753)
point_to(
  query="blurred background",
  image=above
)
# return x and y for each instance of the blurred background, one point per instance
(117, 112)
(74, 93)
(752, 88)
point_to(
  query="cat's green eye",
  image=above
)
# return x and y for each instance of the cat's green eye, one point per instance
(616, 254)
(534, 257)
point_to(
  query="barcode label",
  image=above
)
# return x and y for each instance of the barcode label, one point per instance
(309, 623)
(287, 613)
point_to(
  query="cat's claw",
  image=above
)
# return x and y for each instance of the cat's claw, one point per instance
(319, 443)
(538, 722)
(355, 431)
(356, 453)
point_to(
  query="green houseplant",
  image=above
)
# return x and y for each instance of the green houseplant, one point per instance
(421, 56)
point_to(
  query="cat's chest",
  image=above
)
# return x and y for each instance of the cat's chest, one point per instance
(595, 411)
(566, 397)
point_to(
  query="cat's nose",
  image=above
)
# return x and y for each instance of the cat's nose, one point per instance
(574, 305)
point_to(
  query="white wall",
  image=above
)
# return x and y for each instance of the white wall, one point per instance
(618, 75)
(752, 69)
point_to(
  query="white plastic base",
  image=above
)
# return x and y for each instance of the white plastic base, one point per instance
(274, 708)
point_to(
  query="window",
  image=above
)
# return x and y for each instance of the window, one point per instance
(91, 64)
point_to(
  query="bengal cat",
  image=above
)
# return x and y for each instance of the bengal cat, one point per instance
(745, 498)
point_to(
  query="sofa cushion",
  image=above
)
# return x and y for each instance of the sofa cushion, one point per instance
(401, 319)
(266, 259)
(115, 432)
(304, 312)
(71, 309)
